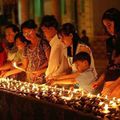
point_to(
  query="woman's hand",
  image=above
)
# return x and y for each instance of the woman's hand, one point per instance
(2, 73)
(108, 88)
(51, 82)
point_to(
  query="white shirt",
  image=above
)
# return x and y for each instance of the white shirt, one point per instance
(85, 48)
(86, 79)
(57, 61)
(82, 48)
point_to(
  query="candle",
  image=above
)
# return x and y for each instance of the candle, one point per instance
(101, 103)
(105, 110)
(114, 105)
(98, 95)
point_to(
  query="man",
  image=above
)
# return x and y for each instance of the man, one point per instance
(58, 63)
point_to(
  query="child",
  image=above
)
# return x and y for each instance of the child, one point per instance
(84, 76)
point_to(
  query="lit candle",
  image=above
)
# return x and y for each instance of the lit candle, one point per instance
(106, 97)
(101, 103)
(114, 105)
(105, 110)
(98, 95)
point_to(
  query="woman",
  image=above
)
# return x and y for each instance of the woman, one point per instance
(20, 43)
(10, 47)
(36, 54)
(72, 41)
(111, 77)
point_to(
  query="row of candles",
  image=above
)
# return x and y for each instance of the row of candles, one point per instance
(76, 99)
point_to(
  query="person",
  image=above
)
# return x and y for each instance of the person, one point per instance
(21, 43)
(57, 62)
(3, 54)
(71, 40)
(10, 48)
(85, 38)
(111, 23)
(84, 77)
(10, 31)
(36, 54)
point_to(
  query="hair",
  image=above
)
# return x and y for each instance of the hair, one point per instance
(81, 56)
(49, 21)
(29, 24)
(68, 29)
(83, 32)
(22, 38)
(13, 27)
(113, 14)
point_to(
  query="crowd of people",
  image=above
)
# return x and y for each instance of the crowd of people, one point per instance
(56, 55)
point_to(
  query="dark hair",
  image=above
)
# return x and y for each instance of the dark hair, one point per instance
(68, 29)
(49, 21)
(82, 56)
(83, 32)
(22, 38)
(13, 27)
(113, 14)
(29, 24)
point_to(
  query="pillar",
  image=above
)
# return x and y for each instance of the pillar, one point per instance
(56, 9)
(85, 16)
(23, 10)
(38, 10)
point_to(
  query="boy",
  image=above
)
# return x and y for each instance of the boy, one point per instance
(84, 76)
(57, 63)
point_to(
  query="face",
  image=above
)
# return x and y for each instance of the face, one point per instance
(109, 25)
(67, 40)
(9, 35)
(48, 32)
(20, 45)
(81, 65)
(29, 34)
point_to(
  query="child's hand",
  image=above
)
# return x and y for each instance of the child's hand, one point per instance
(95, 85)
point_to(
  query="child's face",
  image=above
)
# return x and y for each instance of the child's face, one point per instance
(81, 65)
(10, 34)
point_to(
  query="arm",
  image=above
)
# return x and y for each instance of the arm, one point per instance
(47, 53)
(68, 76)
(39, 72)
(111, 88)
(15, 70)
(99, 81)
(62, 81)
(6, 66)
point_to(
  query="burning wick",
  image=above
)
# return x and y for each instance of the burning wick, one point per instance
(106, 109)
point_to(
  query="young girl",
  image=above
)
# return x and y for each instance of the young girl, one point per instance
(111, 22)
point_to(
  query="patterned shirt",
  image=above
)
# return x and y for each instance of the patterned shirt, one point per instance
(36, 56)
